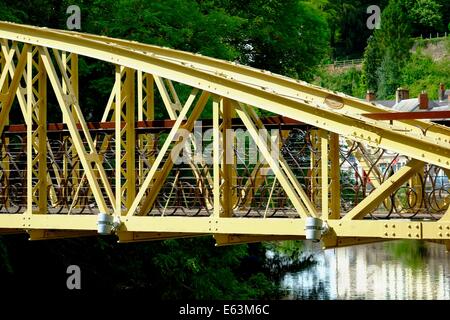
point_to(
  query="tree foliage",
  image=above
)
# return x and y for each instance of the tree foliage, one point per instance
(347, 23)
(348, 81)
(422, 73)
(388, 49)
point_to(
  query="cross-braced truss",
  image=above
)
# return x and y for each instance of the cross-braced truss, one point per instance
(365, 180)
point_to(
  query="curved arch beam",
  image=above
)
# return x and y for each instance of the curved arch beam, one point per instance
(372, 132)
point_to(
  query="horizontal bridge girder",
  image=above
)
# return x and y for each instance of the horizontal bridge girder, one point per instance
(393, 229)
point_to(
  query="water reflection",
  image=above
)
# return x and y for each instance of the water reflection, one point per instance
(375, 271)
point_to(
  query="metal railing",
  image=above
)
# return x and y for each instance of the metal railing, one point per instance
(431, 36)
(346, 63)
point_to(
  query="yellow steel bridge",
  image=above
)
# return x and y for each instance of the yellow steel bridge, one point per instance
(331, 173)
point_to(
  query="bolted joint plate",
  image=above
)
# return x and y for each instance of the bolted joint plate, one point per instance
(402, 230)
(436, 230)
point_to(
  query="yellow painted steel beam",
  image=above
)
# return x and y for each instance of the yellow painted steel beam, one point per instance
(7, 99)
(393, 229)
(436, 230)
(29, 122)
(146, 111)
(36, 97)
(258, 176)
(315, 167)
(273, 163)
(324, 176)
(217, 205)
(285, 86)
(279, 163)
(72, 101)
(118, 135)
(171, 106)
(105, 142)
(150, 199)
(41, 136)
(394, 182)
(374, 133)
(249, 226)
(431, 145)
(70, 67)
(21, 97)
(4, 164)
(335, 172)
(146, 97)
(174, 132)
(228, 159)
(64, 103)
(446, 216)
(417, 184)
(110, 105)
(9, 53)
(254, 181)
(125, 139)
(275, 148)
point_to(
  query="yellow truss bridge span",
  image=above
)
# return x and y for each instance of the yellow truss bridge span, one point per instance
(320, 168)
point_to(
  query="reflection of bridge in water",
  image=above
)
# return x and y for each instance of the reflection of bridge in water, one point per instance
(371, 272)
(362, 180)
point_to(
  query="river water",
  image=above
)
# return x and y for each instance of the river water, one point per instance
(382, 271)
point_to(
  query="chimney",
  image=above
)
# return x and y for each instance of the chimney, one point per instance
(441, 92)
(370, 96)
(401, 94)
(423, 101)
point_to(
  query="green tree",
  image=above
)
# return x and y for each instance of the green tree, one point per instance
(371, 63)
(388, 75)
(9, 13)
(388, 50)
(347, 24)
(426, 15)
(422, 73)
(348, 81)
(287, 37)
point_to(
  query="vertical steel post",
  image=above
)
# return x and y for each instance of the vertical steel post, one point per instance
(36, 92)
(228, 163)
(216, 156)
(146, 111)
(323, 134)
(335, 170)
